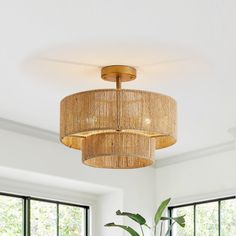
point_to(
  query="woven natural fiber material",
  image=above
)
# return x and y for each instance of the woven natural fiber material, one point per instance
(108, 110)
(118, 150)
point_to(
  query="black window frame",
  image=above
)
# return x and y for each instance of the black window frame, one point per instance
(26, 211)
(194, 204)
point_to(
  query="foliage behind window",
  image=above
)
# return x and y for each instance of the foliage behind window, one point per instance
(24, 216)
(209, 218)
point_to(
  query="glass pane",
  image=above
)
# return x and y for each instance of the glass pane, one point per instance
(43, 217)
(71, 221)
(188, 230)
(207, 219)
(228, 217)
(11, 216)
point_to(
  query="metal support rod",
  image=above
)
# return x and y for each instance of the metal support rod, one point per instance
(118, 90)
(118, 82)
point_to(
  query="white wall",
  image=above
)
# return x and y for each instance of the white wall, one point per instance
(194, 180)
(108, 205)
(51, 164)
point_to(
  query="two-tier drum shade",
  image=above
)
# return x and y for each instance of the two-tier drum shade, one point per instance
(118, 128)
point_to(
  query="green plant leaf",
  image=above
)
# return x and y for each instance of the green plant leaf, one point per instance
(166, 218)
(126, 228)
(160, 210)
(147, 226)
(180, 220)
(136, 217)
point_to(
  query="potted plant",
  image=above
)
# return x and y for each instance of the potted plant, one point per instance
(158, 219)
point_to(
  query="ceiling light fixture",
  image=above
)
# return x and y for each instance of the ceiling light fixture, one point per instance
(118, 128)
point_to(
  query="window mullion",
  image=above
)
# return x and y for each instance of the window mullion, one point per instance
(194, 220)
(24, 217)
(170, 222)
(57, 219)
(27, 216)
(86, 222)
(219, 217)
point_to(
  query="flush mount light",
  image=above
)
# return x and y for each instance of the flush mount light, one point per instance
(118, 128)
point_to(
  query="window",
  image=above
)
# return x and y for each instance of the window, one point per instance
(208, 218)
(26, 216)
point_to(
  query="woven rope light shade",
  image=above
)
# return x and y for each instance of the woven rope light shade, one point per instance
(134, 111)
(118, 150)
(108, 125)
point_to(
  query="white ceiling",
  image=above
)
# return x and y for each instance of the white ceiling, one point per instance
(185, 49)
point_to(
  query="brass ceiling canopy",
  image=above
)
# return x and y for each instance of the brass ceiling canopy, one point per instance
(118, 128)
(124, 73)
